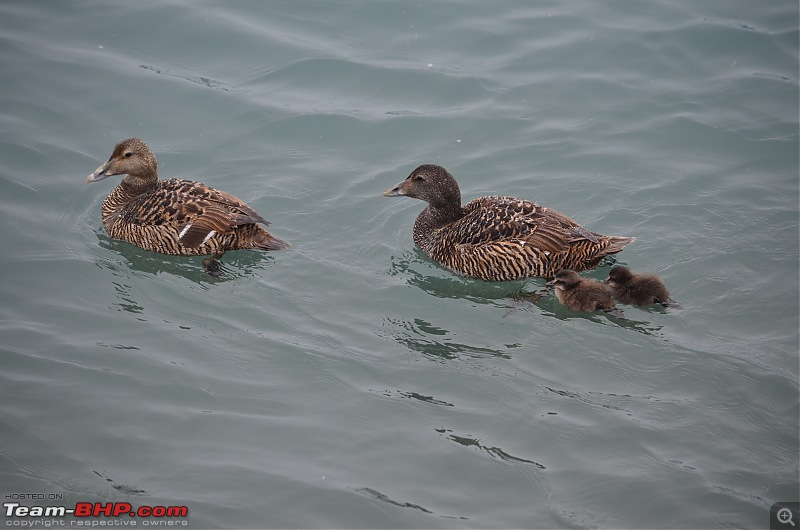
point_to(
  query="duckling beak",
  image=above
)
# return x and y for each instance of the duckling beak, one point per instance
(551, 282)
(99, 173)
(397, 191)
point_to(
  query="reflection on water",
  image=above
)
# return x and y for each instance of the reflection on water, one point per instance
(200, 80)
(419, 271)
(385, 498)
(605, 400)
(236, 264)
(546, 301)
(494, 452)
(124, 488)
(116, 346)
(419, 336)
(414, 395)
(127, 304)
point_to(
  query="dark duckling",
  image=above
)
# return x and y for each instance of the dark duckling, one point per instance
(176, 216)
(582, 294)
(498, 238)
(638, 289)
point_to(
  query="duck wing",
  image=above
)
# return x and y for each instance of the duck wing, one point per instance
(504, 238)
(195, 210)
(489, 220)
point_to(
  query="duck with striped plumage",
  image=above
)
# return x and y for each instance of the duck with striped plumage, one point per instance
(498, 238)
(176, 216)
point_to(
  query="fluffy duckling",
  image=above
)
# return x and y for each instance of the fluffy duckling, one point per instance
(637, 289)
(582, 294)
(498, 238)
(176, 216)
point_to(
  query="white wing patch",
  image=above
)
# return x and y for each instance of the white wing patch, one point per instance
(185, 229)
(209, 236)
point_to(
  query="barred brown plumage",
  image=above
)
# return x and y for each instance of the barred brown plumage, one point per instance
(175, 216)
(498, 238)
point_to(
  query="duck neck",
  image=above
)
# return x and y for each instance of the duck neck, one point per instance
(431, 219)
(126, 191)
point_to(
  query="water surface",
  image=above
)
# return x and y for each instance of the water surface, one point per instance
(350, 381)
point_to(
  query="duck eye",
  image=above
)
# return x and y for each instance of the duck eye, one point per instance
(128, 154)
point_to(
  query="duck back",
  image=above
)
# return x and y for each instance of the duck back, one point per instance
(183, 217)
(505, 238)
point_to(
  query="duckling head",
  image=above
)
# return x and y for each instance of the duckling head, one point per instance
(430, 183)
(131, 157)
(565, 279)
(619, 276)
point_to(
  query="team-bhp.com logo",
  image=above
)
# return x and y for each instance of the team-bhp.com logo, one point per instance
(88, 513)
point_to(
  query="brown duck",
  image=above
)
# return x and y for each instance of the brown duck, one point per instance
(498, 238)
(176, 216)
(638, 289)
(582, 294)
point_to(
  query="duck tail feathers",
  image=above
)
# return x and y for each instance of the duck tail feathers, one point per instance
(267, 241)
(617, 243)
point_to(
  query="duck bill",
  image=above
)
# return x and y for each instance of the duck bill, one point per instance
(397, 191)
(99, 173)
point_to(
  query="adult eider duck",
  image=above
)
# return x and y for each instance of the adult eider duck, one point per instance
(176, 216)
(638, 289)
(498, 238)
(582, 294)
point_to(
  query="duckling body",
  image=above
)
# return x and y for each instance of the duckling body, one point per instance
(498, 238)
(175, 216)
(582, 294)
(637, 289)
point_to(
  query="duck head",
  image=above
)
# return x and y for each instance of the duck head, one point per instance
(131, 157)
(430, 183)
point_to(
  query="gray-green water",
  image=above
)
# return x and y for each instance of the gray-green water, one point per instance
(349, 381)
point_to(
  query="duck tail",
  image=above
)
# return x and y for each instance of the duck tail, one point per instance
(266, 241)
(617, 243)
